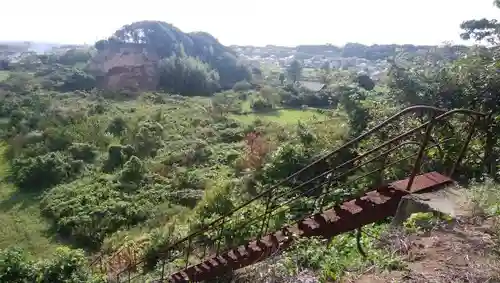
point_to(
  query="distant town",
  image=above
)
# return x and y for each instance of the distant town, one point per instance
(353, 57)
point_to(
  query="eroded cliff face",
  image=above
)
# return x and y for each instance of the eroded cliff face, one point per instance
(127, 66)
(128, 59)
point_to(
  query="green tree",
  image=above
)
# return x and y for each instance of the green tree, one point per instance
(77, 79)
(225, 102)
(261, 104)
(271, 95)
(479, 79)
(187, 76)
(325, 67)
(351, 99)
(482, 29)
(242, 86)
(365, 82)
(294, 71)
(74, 56)
(282, 78)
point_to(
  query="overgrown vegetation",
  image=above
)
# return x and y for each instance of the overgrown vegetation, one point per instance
(66, 266)
(99, 169)
(334, 258)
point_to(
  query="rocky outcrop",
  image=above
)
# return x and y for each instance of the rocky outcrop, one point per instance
(129, 58)
(126, 66)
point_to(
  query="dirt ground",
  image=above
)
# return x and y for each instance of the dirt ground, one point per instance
(466, 251)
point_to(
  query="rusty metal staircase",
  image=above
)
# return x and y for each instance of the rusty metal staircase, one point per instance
(186, 260)
(371, 207)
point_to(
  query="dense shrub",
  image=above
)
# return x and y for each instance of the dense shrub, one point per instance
(312, 99)
(216, 201)
(219, 199)
(261, 105)
(41, 172)
(75, 56)
(117, 126)
(189, 179)
(365, 82)
(15, 266)
(186, 197)
(57, 138)
(226, 102)
(69, 266)
(78, 80)
(117, 156)
(242, 86)
(83, 151)
(159, 239)
(20, 83)
(231, 135)
(149, 139)
(94, 209)
(132, 173)
(65, 266)
(285, 160)
(64, 78)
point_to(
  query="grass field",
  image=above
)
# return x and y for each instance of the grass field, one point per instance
(283, 116)
(3, 75)
(20, 221)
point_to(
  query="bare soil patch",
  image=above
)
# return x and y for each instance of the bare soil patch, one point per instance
(467, 251)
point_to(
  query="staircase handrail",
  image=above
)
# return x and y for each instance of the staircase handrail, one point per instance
(443, 114)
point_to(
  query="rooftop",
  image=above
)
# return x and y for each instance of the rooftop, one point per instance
(312, 86)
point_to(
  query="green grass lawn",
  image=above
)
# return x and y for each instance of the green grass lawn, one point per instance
(283, 116)
(20, 221)
(3, 75)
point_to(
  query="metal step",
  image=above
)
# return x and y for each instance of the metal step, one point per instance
(373, 206)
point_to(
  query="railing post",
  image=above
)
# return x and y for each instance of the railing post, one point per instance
(268, 218)
(265, 221)
(418, 161)
(204, 251)
(130, 259)
(163, 270)
(188, 251)
(464, 147)
(379, 179)
(101, 265)
(324, 192)
(220, 235)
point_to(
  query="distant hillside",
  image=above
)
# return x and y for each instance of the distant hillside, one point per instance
(33, 46)
(369, 52)
(134, 50)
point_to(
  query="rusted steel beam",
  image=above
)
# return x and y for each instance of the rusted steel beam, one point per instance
(373, 206)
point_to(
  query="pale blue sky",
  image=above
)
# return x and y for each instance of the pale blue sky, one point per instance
(256, 22)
